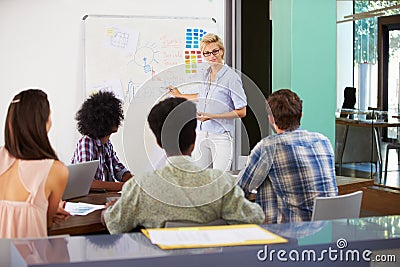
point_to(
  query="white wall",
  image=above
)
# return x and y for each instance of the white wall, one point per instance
(41, 46)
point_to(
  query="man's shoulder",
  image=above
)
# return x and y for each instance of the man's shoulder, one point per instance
(86, 139)
(214, 175)
(308, 135)
(222, 178)
(318, 136)
(89, 142)
(267, 141)
(206, 174)
(217, 173)
(131, 184)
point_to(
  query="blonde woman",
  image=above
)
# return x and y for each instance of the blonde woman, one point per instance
(221, 99)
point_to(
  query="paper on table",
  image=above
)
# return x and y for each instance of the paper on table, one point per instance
(81, 208)
(208, 236)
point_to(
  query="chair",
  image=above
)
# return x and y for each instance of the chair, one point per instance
(337, 207)
(388, 147)
(172, 224)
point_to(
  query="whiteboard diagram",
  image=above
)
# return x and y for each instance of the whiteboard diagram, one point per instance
(134, 49)
(137, 57)
(146, 57)
(122, 39)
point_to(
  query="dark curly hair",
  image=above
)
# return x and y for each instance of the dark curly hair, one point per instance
(99, 115)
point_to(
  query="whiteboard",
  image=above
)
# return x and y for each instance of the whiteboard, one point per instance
(136, 57)
(122, 52)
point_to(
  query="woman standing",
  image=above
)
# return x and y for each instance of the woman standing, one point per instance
(32, 179)
(221, 99)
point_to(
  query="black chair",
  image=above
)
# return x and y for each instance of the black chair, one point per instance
(388, 147)
(349, 101)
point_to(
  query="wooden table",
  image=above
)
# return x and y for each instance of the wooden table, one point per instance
(91, 224)
(364, 123)
(392, 122)
(351, 184)
(88, 224)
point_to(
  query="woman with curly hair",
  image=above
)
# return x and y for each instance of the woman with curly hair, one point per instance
(32, 179)
(100, 116)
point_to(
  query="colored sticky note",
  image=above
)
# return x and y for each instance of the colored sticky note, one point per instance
(110, 31)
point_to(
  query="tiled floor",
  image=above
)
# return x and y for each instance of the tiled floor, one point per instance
(364, 169)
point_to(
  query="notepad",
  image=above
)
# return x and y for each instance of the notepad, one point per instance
(81, 208)
(211, 236)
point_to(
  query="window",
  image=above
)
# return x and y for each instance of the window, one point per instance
(362, 28)
(389, 67)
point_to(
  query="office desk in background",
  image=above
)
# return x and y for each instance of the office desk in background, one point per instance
(367, 123)
(351, 184)
(91, 223)
(377, 126)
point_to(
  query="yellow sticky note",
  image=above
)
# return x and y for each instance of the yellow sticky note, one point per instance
(110, 31)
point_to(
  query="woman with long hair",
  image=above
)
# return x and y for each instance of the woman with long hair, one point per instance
(32, 179)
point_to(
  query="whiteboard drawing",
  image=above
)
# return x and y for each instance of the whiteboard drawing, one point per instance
(114, 86)
(121, 39)
(146, 57)
(130, 93)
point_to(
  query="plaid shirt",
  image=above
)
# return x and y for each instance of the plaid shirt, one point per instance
(289, 170)
(88, 149)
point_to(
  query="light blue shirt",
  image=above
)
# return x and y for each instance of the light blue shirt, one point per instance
(224, 94)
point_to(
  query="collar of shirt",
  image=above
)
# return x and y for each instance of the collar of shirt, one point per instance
(99, 144)
(289, 131)
(220, 73)
(182, 162)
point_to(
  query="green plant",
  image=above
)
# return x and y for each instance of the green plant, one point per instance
(366, 31)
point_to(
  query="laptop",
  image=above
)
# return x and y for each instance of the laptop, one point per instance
(80, 179)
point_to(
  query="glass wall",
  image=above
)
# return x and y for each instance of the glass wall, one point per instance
(362, 19)
(394, 78)
(365, 49)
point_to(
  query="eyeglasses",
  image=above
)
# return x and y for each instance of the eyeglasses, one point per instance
(214, 52)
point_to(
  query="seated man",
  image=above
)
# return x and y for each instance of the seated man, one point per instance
(289, 169)
(100, 116)
(180, 191)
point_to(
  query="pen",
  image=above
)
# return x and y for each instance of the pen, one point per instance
(168, 88)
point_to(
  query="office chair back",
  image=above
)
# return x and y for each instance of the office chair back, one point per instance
(337, 207)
